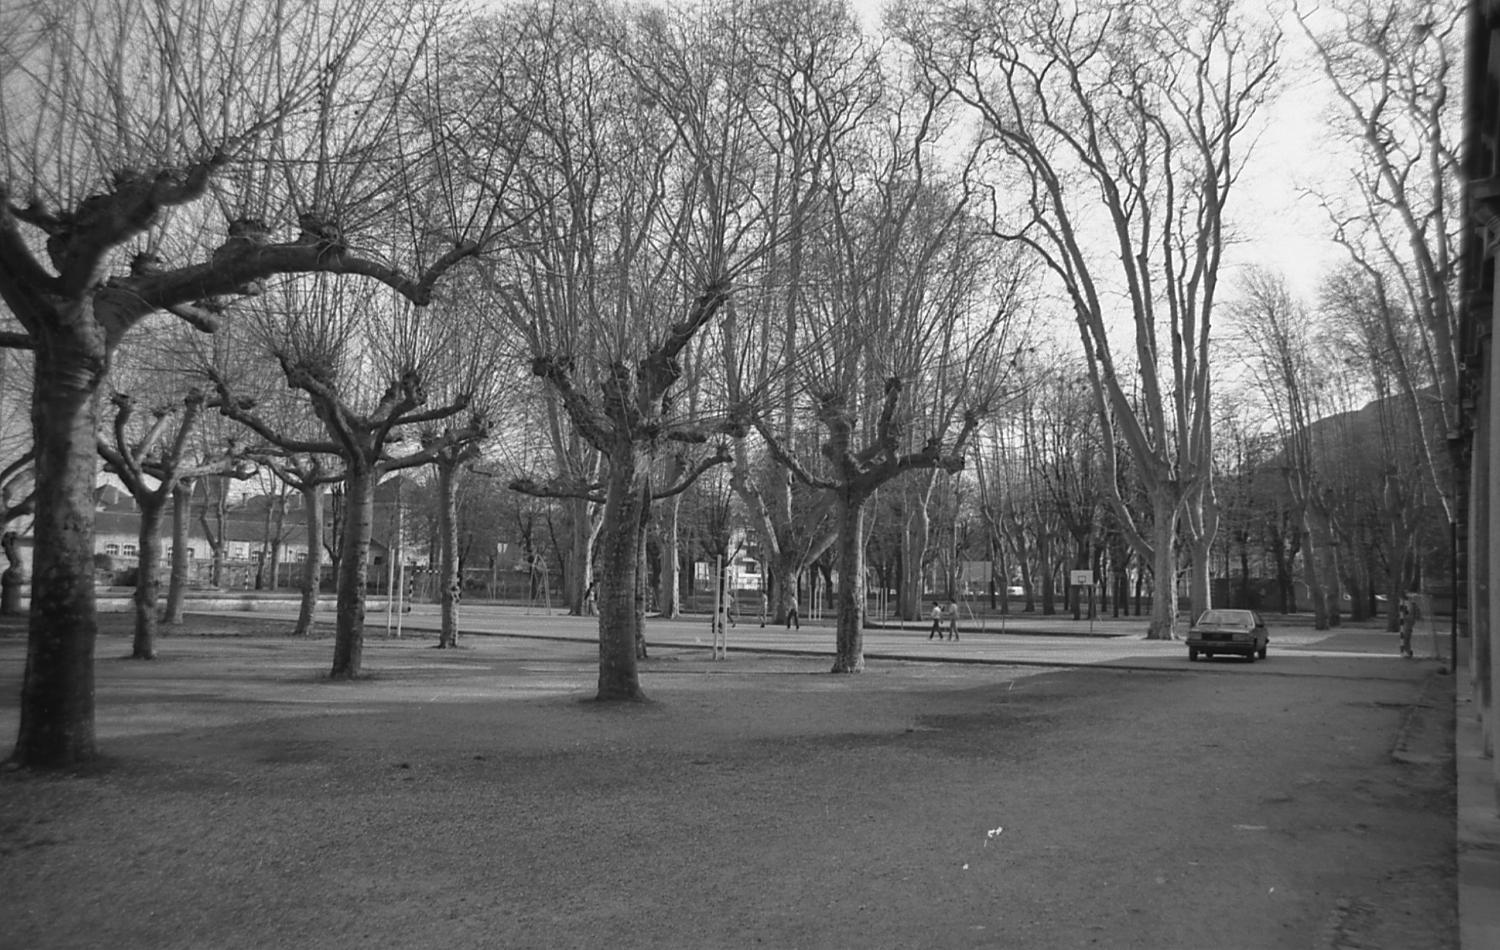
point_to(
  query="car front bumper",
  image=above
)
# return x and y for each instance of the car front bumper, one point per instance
(1241, 647)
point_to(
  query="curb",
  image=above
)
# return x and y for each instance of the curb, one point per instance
(1477, 844)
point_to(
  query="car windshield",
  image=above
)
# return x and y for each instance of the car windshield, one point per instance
(1228, 618)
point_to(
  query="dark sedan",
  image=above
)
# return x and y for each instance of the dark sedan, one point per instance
(1240, 632)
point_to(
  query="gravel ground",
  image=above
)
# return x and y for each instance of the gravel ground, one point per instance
(475, 798)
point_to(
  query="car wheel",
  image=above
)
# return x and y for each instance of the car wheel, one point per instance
(1192, 654)
(1250, 656)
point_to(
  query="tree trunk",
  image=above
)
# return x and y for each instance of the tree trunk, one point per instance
(1315, 592)
(57, 690)
(915, 540)
(668, 597)
(449, 583)
(579, 574)
(359, 521)
(215, 502)
(312, 568)
(1202, 523)
(147, 578)
(1049, 578)
(1200, 590)
(619, 566)
(177, 585)
(643, 569)
(277, 533)
(263, 557)
(1163, 567)
(849, 656)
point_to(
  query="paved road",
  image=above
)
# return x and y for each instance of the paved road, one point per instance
(1029, 641)
(468, 799)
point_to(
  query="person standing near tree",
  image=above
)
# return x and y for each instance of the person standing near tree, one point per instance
(792, 617)
(765, 606)
(1408, 621)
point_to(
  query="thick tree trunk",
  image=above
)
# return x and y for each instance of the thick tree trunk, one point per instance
(1049, 578)
(312, 568)
(1200, 590)
(1163, 568)
(849, 601)
(643, 574)
(1315, 592)
(57, 691)
(578, 574)
(359, 521)
(215, 503)
(1202, 528)
(915, 540)
(668, 598)
(177, 584)
(148, 578)
(619, 566)
(449, 582)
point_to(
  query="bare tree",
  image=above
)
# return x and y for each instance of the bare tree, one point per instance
(473, 366)
(361, 360)
(125, 128)
(907, 346)
(817, 51)
(652, 153)
(309, 474)
(1110, 139)
(1393, 68)
(1280, 335)
(152, 460)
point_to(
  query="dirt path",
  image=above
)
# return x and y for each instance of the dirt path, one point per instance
(470, 799)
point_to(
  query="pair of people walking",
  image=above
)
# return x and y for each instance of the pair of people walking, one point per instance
(938, 615)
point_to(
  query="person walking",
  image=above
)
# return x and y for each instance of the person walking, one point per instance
(1408, 621)
(937, 621)
(792, 617)
(765, 607)
(952, 619)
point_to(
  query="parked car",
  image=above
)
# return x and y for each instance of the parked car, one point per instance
(1240, 632)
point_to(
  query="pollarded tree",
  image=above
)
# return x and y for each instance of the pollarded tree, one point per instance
(361, 361)
(906, 349)
(237, 352)
(649, 146)
(819, 52)
(472, 366)
(1110, 137)
(126, 128)
(152, 458)
(309, 474)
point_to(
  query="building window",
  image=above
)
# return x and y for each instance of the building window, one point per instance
(129, 550)
(113, 550)
(301, 556)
